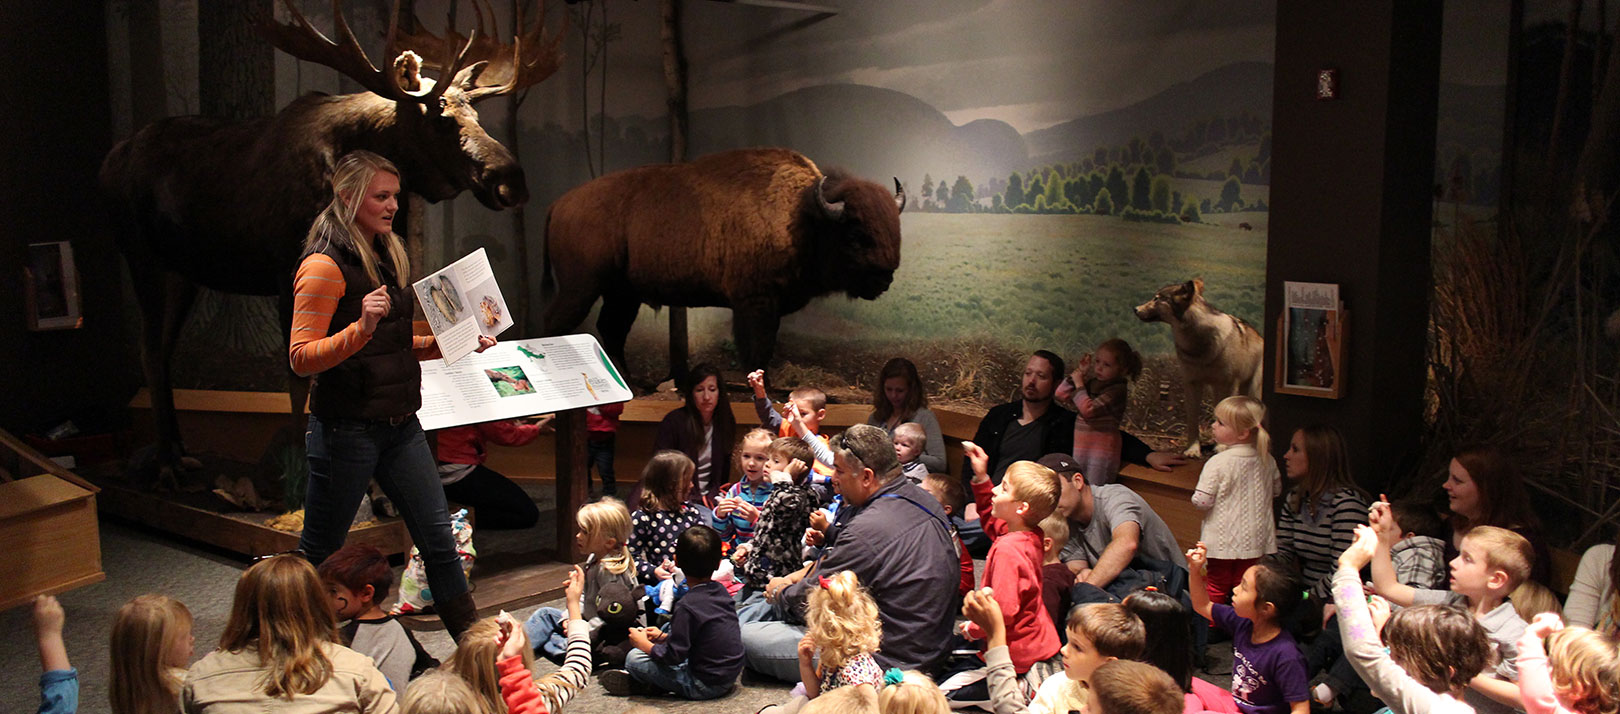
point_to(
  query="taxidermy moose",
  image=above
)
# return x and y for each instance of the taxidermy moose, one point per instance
(200, 201)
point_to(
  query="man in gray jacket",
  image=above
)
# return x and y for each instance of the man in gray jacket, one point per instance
(893, 536)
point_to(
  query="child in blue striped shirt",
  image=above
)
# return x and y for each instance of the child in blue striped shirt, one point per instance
(737, 510)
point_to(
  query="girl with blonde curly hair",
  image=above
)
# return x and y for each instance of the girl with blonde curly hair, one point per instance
(842, 626)
(1584, 672)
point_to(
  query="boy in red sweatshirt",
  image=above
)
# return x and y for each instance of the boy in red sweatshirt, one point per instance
(1011, 511)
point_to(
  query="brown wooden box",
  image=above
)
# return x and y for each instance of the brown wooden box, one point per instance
(52, 540)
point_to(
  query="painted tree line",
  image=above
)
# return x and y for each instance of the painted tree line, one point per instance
(1132, 180)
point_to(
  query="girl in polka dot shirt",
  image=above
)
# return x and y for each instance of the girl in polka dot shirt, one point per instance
(663, 514)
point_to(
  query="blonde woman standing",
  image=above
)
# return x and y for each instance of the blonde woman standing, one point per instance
(351, 331)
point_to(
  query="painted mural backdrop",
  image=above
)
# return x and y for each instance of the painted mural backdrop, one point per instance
(1063, 161)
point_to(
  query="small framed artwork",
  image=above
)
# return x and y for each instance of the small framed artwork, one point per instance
(1310, 341)
(51, 287)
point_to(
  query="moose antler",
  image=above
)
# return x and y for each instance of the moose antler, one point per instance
(300, 39)
(528, 60)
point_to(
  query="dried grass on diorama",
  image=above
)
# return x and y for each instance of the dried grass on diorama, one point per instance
(1518, 358)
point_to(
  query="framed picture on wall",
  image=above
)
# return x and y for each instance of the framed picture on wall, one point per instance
(1310, 341)
(51, 287)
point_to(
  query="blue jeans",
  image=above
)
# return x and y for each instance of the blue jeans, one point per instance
(344, 456)
(674, 678)
(772, 649)
(600, 454)
(546, 633)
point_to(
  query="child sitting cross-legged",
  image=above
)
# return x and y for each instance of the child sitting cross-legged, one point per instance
(358, 578)
(701, 654)
(663, 515)
(1490, 563)
(1584, 677)
(603, 536)
(1268, 670)
(1010, 512)
(1417, 661)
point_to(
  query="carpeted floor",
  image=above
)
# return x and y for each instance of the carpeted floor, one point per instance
(139, 560)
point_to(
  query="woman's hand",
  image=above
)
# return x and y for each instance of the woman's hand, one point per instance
(373, 308)
(485, 342)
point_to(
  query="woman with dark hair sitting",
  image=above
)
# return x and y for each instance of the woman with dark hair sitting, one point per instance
(703, 429)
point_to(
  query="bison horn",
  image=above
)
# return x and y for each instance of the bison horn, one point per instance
(835, 211)
(899, 196)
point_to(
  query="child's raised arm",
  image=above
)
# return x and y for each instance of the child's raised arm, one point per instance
(1197, 557)
(1382, 525)
(59, 685)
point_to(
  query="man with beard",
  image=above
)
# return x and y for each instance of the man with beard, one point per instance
(1024, 429)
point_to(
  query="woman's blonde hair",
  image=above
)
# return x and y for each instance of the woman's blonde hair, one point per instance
(1586, 667)
(842, 619)
(438, 692)
(1245, 413)
(609, 518)
(281, 610)
(144, 633)
(335, 224)
(915, 694)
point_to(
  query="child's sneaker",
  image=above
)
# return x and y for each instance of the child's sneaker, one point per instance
(619, 683)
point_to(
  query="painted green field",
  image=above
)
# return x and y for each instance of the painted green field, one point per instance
(1067, 282)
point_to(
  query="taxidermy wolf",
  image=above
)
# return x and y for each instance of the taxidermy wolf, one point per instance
(199, 201)
(1218, 352)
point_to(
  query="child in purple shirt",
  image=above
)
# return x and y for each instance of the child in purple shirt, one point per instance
(1268, 670)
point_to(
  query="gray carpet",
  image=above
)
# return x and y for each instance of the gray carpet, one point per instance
(139, 560)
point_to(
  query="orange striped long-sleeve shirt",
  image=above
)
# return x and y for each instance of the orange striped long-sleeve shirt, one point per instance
(317, 287)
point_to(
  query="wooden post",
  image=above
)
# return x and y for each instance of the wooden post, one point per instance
(573, 480)
(675, 86)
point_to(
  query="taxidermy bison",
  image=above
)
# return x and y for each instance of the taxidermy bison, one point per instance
(761, 231)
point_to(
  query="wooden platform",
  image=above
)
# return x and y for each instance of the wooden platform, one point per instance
(203, 517)
(508, 588)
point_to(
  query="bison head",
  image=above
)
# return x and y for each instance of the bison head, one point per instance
(855, 230)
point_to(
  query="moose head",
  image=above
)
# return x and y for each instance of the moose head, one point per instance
(435, 135)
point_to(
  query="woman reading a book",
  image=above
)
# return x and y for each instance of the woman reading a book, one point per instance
(351, 331)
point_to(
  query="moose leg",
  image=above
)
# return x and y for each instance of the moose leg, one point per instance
(613, 323)
(165, 299)
(1195, 411)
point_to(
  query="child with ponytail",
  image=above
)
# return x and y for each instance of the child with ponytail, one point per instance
(842, 625)
(1236, 489)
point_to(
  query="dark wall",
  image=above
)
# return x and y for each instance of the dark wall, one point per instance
(56, 132)
(1351, 205)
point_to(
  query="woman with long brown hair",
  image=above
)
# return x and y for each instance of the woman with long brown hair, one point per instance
(1483, 488)
(280, 644)
(351, 331)
(899, 397)
(1320, 508)
(702, 429)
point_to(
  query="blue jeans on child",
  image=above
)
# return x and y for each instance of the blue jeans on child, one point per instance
(671, 678)
(599, 453)
(546, 632)
(344, 456)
